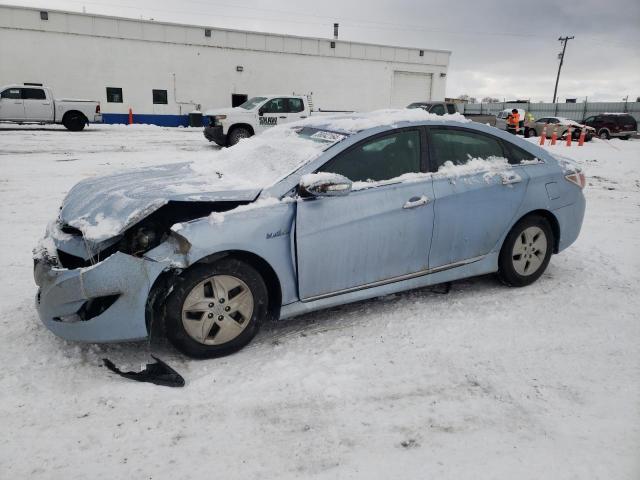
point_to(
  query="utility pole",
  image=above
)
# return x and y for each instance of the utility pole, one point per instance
(564, 41)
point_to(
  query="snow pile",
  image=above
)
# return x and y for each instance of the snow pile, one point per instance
(377, 118)
(474, 165)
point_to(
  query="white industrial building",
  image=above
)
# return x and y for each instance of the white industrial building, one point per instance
(162, 70)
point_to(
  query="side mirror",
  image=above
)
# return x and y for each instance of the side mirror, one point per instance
(260, 111)
(324, 184)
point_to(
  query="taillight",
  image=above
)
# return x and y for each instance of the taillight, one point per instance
(98, 108)
(577, 178)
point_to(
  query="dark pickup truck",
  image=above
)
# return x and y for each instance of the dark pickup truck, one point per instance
(439, 108)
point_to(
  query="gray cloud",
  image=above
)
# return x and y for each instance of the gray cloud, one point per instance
(500, 48)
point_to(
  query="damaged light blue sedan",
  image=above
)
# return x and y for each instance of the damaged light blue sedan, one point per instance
(301, 218)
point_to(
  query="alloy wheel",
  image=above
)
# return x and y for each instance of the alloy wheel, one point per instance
(217, 310)
(529, 251)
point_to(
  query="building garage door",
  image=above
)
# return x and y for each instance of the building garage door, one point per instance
(409, 87)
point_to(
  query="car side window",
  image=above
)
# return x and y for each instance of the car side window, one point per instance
(516, 154)
(295, 105)
(275, 105)
(378, 159)
(589, 119)
(451, 108)
(542, 120)
(33, 94)
(13, 93)
(459, 146)
(437, 109)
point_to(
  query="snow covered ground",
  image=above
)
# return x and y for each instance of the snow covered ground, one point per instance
(485, 382)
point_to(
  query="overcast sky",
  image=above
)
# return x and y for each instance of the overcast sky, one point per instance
(504, 49)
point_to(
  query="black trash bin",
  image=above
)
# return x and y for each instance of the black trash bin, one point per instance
(195, 119)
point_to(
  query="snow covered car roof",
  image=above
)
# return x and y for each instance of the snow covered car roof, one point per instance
(356, 122)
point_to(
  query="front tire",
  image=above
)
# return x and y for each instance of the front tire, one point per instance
(526, 252)
(604, 135)
(215, 309)
(238, 134)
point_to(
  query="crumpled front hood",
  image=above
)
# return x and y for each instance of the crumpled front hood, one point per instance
(104, 207)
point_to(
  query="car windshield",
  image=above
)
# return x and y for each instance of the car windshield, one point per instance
(252, 103)
(420, 105)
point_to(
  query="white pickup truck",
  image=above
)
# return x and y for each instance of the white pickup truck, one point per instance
(33, 103)
(228, 126)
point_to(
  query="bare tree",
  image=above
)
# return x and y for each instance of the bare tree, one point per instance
(467, 98)
(490, 100)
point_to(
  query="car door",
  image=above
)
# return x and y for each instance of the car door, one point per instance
(11, 104)
(296, 109)
(37, 107)
(379, 232)
(273, 112)
(540, 124)
(437, 109)
(475, 199)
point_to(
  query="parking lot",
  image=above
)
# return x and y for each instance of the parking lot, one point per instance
(482, 382)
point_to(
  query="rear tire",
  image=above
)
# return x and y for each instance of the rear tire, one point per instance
(526, 252)
(238, 134)
(74, 121)
(215, 309)
(531, 132)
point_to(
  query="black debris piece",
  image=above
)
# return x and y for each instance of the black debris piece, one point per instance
(158, 373)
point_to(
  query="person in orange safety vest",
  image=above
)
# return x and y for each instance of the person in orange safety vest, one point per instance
(513, 122)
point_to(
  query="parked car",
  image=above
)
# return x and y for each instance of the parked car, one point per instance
(607, 125)
(228, 126)
(302, 218)
(438, 108)
(561, 125)
(34, 103)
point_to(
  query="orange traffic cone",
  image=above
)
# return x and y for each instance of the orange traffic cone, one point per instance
(543, 137)
(554, 136)
(130, 116)
(569, 137)
(583, 134)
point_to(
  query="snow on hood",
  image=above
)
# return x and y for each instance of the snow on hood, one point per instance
(104, 207)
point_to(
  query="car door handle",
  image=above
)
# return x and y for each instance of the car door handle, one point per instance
(303, 116)
(416, 202)
(511, 178)
(282, 116)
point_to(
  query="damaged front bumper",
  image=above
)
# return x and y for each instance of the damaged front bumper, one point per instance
(105, 302)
